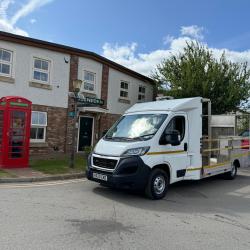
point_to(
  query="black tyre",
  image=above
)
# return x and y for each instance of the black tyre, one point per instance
(233, 173)
(157, 186)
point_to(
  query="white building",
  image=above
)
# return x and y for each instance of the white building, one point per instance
(43, 72)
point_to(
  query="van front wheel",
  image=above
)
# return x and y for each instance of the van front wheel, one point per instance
(157, 185)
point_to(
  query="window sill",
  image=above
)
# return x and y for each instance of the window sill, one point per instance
(7, 79)
(122, 100)
(38, 144)
(89, 94)
(40, 85)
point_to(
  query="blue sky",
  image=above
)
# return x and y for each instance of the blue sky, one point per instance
(135, 33)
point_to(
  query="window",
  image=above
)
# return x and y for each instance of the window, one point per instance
(38, 126)
(124, 90)
(177, 123)
(136, 127)
(141, 95)
(41, 70)
(245, 133)
(5, 62)
(89, 81)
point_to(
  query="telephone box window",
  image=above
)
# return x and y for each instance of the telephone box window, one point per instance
(17, 133)
(1, 129)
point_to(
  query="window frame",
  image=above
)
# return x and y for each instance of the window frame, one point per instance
(44, 126)
(176, 116)
(140, 93)
(125, 90)
(90, 82)
(48, 72)
(10, 63)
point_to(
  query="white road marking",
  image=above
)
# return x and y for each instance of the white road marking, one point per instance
(40, 184)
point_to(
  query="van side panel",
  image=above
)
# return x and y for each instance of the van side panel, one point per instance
(195, 134)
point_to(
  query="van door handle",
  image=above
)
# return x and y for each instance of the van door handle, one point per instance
(185, 146)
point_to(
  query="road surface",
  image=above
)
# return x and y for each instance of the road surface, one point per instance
(209, 214)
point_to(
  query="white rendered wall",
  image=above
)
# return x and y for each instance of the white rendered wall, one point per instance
(115, 77)
(22, 73)
(93, 67)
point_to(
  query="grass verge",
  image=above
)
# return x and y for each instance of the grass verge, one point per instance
(4, 174)
(59, 166)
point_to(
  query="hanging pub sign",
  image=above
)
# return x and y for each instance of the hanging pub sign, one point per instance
(89, 101)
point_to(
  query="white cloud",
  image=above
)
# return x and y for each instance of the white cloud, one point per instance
(6, 26)
(168, 39)
(33, 20)
(9, 24)
(127, 56)
(4, 5)
(29, 7)
(125, 52)
(193, 31)
(145, 63)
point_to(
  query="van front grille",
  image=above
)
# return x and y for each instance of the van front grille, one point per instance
(104, 163)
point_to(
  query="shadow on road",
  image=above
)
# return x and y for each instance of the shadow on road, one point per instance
(205, 196)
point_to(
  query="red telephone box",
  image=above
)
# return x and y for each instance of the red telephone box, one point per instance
(15, 116)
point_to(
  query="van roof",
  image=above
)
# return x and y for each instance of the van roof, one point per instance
(166, 105)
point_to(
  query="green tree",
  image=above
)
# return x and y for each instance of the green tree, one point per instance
(196, 72)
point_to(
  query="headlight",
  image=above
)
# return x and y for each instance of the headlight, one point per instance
(136, 151)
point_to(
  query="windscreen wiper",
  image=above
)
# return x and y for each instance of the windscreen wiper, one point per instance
(141, 137)
(117, 138)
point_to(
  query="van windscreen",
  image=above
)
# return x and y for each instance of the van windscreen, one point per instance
(136, 127)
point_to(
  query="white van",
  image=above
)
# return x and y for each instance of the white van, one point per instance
(155, 144)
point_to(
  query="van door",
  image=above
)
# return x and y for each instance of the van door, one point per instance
(177, 156)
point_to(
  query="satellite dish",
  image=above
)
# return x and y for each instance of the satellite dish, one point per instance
(66, 60)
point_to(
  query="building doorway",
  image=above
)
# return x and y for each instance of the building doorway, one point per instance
(85, 132)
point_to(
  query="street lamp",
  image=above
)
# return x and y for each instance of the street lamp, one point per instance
(77, 84)
(76, 89)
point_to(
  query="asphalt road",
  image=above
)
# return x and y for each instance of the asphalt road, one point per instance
(210, 214)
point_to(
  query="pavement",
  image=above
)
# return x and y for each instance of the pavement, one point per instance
(77, 214)
(20, 175)
(24, 172)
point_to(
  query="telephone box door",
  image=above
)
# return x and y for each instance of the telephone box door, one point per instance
(1, 134)
(17, 151)
(15, 132)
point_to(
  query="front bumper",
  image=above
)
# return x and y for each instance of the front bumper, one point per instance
(130, 173)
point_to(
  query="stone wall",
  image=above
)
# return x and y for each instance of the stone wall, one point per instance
(55, 131)
(70, 121)
(106, 121)
(105, 82)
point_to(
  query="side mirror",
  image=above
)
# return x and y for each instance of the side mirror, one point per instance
(173, 137)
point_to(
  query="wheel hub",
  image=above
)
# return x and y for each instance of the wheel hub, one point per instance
(159, 184)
